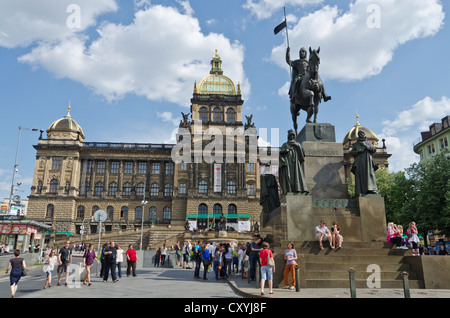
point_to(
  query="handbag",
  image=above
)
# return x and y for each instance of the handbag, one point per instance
(270, 261)
(24, 272)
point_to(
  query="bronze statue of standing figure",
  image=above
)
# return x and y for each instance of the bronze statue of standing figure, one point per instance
(307, 89)
(363, 167)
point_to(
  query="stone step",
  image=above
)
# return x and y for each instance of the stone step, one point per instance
(340, 274)
(351, 259)
(353, 252)
(358, 267)
(360, 283)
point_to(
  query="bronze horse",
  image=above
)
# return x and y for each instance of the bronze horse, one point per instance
(310, 92)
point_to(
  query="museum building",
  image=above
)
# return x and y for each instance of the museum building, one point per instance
(74, 178)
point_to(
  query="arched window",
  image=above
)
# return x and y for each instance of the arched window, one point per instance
(50, 211)
(80, 212)
(138, 213)
(231, 187)
(167, 213)
(154, 189)
(203, 114)
(94, 209)
(217, 209)
(53, 186)
(203, 187)
(168, 190)
(127, 189)
(202, 209)
(110, 212)
(217, 115)
(140, 189)
(124, 213)
(112, 189)
(232, 209)
(152, 213)
(98, 188)
(231, 115)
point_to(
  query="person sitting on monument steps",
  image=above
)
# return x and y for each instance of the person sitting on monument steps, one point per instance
(336, 235)
(393, 235)
(363, 167)
(323, 233)
(291, 170)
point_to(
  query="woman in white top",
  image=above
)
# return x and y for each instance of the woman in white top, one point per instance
(49, 265)
(163, 254)
(119, 260)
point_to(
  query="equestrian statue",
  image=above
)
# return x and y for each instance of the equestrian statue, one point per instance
(307, 89)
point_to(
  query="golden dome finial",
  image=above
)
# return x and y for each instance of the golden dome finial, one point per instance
(68, 109)
(357, 119)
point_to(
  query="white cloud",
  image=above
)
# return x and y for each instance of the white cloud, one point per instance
(27, 21)
(168, 117)
(264, 9)
(405, 129)
(351, 49)
(158, 56)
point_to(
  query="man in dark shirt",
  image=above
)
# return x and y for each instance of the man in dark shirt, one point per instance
(64, 261)
(110, 262)
(255, 248)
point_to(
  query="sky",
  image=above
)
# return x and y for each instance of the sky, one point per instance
(127, 68)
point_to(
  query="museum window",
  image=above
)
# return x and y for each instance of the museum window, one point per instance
(152, 213)
(94, 209)
(169, 168)
(138, 213)
(167, 213)
(202, 209)
(98, 188)
(140, 189)
(112, 189)
(232, 209)
(182, 188)
(183, 166)
(80, 212)
(217, 209)
(115, 166)
(203, 114)
(154, 190)
(142, 167)
(231, 115)
(251, 189)
(251, 167)
(110, 212)
(168, 190)
(56, 163)
(89, 166)
(124, 213)
(128, 168)
(231, 187)
(155, 167)
(53, 186)
(127, 189)
(50, 211)
(203, 187)
(101, 166)
(217, 115)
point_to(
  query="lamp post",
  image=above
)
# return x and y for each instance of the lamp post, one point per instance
(15, 166)
(143, 212)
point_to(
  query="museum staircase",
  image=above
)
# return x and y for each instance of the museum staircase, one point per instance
(329, 268)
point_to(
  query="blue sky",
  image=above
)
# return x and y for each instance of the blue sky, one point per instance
(128, 67)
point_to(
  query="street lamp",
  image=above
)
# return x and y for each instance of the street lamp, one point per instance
(15, 166)
(143, 212)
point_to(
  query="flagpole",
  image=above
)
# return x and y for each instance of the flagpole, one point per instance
(287, 39)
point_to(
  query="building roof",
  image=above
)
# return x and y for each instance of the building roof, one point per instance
(66, 124)
(216, 82)
(353, 133)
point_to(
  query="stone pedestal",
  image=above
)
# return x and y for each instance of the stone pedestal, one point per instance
(223, 234)
(296, 216)
(324, 167)
(373, 218)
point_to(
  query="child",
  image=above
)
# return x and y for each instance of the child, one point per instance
(413, 238)
(245, 265)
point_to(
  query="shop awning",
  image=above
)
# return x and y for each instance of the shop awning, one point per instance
(60, 233)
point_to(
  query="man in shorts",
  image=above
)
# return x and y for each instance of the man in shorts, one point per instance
(64, 261)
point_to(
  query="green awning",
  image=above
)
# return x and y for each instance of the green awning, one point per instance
(60, 233)
(217, 216)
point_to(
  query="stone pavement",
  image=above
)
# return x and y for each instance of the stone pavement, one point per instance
(249, 290)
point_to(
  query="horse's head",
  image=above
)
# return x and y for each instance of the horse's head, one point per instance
(314, 60)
